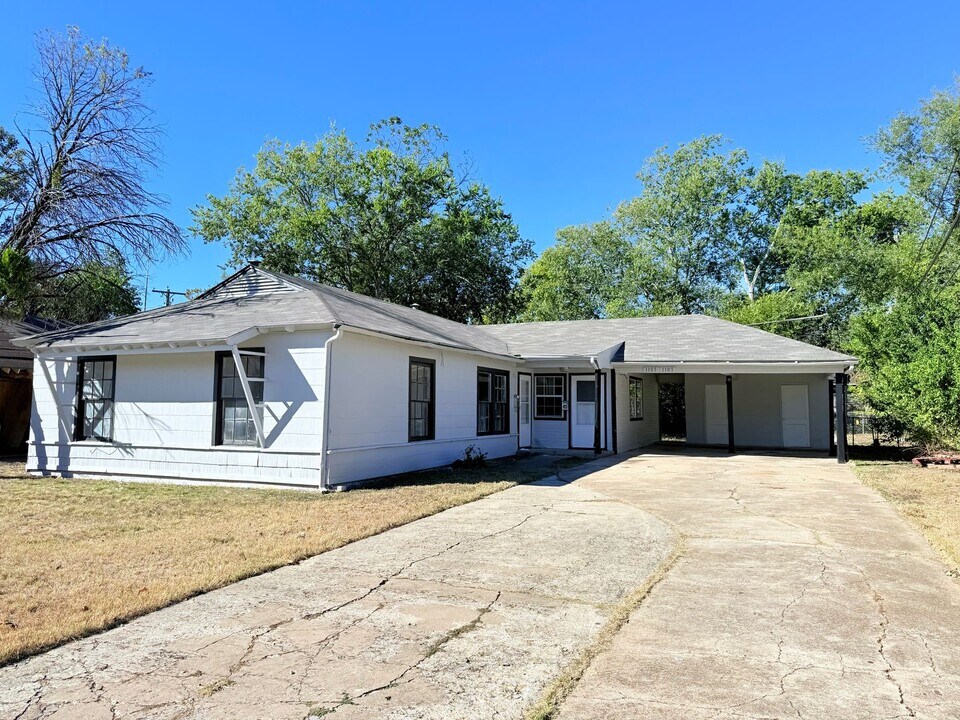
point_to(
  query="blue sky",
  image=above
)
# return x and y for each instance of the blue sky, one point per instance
(557, 104)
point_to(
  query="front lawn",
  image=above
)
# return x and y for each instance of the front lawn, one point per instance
(78, 556)
(928, 497)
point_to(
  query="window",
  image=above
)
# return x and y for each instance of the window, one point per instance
(422, 396)
(636, 398)
(95, 383)
(493, 402)
(235, 425)
(549, 397)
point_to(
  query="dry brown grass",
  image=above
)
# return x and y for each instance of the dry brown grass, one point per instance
(928, 497)
(79, 556)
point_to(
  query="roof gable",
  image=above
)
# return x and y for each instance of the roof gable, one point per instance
(247, 282)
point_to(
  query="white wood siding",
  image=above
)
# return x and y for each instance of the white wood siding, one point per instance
(164, 415)
(756, 408)
(369, 408)
(633, 434)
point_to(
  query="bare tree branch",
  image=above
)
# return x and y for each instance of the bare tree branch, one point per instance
(86, 164)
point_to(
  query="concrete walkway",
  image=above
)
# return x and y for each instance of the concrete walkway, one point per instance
(800, 594)
(466, 614)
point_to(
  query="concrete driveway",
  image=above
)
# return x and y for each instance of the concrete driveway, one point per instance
(466, 614)
(800, 593)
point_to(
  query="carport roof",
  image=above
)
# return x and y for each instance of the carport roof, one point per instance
(660, 339)
(255, 300)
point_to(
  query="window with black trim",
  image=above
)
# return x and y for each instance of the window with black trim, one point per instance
(549, 396)
(422, 398)
(636, 398)
(493, 402)
(235, 424)
(95, 391)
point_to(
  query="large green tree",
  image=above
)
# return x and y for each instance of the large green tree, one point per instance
(921, 150)
(680, 224)
(98, 290)
(584, 276)
(909, 342)
(909, 368)
(392, 218)
(711, 232)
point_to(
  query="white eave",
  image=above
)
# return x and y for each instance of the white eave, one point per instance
(729, 367)
(133, 347)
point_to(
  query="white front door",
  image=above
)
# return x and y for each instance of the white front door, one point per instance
(584, 411)
(526, 428)
(795, 416)
(715, 412)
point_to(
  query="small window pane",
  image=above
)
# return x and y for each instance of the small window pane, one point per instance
(95, 399)
(586, 391)
(636, 398)
(549, 396)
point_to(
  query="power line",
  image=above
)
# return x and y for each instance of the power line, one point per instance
(774, 322)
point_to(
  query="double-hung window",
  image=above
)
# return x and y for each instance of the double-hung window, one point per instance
(493, 402)
(636, 398)
(422, 399)
(549, 397)
(95, 386)
(235, 424)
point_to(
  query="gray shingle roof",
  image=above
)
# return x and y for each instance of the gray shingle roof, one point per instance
(269, 299)
(687, 338)
(257, 298)
(207, 319)
(12, 355)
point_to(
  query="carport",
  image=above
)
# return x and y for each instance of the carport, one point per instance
(744, 388)
(771, 405)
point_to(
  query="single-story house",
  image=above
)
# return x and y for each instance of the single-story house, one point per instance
(271, 379)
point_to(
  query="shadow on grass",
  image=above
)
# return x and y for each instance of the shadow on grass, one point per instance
(883, 453)
(518, 469)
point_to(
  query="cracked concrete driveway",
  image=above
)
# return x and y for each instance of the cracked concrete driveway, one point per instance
(466, 614)
(800, 593)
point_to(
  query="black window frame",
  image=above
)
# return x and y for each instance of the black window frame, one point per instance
(630, 398)
(505, 403)
(563, 397)
(432, 406)
(80, 403)
(218, 394)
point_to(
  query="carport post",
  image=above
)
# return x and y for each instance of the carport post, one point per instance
(840, 416)
(730, 446)
(597, 442)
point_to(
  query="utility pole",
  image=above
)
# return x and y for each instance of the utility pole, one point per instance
(168, 294)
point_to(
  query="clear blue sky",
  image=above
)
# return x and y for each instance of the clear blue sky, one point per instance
(557, 104)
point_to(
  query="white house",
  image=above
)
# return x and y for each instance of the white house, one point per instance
(270, 379)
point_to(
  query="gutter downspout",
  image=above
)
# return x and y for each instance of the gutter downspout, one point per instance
(597, 442)
(325, 430)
